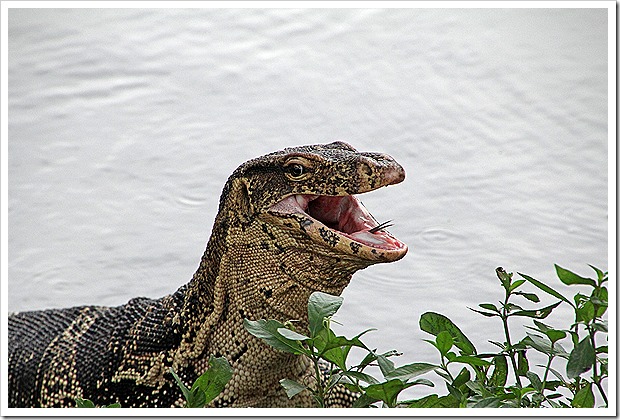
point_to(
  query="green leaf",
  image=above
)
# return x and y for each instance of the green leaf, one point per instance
(337, 355)
(581, 359)
(84, 403)
(586, 313)
(580, 299)
(291, 387)
(541, 313)
(421, 381)
(516, 284)
(187, 394)
(542, 286)
(521, 392)
(522, 363)
(386, 365)
(197, 398)
(429, 401)
(368, 359)
(292, 335)
(498, 344)
(557, 374)
(511, 307)
(602, 349)
(551, 333)
(336, 348)
(489, 402)
(434, 401)
(387, 391)
(478, 388)
(602, 277)
(434, 323)
(487, 314)
(406, 372)
(544, 345)
(534, 381)
(471, 360)
(537, 342)
(532, 297)
(574, 337)
(568, 277)
(500, 371)
(215, 378)
(444, 342)
(462, 378)
(600, 296)
(364, 401)
(489, 306)
(455, 392)
(555, 335)
(551, 385)
(360, 376)
(113, 405)
(541, 326)
(584, 397)
(267, 330)
(320, 306)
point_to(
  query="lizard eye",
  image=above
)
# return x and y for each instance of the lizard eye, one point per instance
(296, 170)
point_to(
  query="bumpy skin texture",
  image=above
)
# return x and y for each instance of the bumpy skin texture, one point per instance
(263, 260)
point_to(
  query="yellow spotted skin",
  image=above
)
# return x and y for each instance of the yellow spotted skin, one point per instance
(257, 264)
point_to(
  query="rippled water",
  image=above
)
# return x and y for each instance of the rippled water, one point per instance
(125, 124)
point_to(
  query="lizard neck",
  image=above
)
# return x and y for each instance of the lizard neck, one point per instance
(259, 270)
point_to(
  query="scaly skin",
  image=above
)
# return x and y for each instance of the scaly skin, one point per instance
(273, 244)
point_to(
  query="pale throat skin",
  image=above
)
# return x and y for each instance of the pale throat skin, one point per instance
(288, 225)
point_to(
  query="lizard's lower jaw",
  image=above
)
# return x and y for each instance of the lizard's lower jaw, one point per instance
(344, 224)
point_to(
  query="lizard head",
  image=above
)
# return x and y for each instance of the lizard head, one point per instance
(310, 192)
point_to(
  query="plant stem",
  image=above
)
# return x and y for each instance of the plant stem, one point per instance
(511, 353)
(445, 368)
(319, 393)
(544, 381)
(595, 377)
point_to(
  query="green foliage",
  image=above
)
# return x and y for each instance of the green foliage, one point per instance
(329, 354)
(472, 379)
(86, 403)
(482, 382)
(208, 385)
(505, 378)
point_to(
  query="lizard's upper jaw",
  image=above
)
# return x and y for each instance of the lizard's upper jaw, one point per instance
(342, 223)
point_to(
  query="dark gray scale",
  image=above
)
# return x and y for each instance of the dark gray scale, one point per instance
(30, 334)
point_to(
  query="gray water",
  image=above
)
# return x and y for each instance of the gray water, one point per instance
(125, 124)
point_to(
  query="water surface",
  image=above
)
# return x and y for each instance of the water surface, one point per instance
(125, 124)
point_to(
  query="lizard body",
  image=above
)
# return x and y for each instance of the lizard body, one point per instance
(288, 225)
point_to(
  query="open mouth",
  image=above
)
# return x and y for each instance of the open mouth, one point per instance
(349, 225)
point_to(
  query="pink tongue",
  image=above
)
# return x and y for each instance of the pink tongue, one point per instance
(345, 214)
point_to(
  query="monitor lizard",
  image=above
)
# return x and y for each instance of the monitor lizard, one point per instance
(288, 224)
